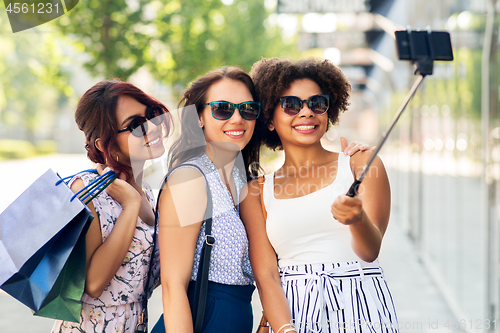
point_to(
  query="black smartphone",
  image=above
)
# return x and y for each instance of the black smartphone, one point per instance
(416, 45)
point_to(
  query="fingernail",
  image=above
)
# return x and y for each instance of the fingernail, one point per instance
(350, 152)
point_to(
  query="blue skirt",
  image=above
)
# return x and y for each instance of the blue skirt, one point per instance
(228, 309)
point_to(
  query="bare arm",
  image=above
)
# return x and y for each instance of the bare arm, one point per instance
(182, 206)
(367, 214)
(263, 260)
(105, 258)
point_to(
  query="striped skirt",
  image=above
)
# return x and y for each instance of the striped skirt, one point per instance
(348, 297)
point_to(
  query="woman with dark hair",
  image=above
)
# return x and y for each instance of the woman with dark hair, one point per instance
(219, 138)
(327, 278)
(123, 128)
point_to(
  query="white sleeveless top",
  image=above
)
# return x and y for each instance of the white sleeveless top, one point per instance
(302, 230)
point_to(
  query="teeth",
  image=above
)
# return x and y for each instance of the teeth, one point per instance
(304, 127)
(235, 133)
(155, 141)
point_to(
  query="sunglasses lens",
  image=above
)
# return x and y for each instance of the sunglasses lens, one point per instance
(155, 114)
(250, 111)
(139, 127)
(222, 110)
(291, 105)
(318, 104)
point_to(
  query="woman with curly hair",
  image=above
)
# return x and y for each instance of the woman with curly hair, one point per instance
(328, 278)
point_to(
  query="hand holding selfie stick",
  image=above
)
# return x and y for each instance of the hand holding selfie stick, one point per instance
(422, 48)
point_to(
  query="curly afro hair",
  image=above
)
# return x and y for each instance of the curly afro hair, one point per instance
(273, 76)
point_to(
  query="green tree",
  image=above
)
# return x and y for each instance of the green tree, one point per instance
(208, 34)
(176, 40)
(33, 86)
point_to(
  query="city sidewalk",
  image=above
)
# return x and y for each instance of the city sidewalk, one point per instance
(419, 305)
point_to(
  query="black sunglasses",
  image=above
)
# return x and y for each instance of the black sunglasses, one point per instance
(222, 110)
(154, 114)
(292, 104)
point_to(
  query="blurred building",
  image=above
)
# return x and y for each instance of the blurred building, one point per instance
(444, 155)
(446, 169)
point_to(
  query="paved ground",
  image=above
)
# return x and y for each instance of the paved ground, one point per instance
(419, 304)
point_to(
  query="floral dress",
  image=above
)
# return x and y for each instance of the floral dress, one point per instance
(118, 308)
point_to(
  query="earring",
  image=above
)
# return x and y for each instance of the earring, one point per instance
(117, 159)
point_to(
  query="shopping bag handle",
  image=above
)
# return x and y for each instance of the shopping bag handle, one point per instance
(99, 184)
(89, 192)
(98, 188)
(70, 177)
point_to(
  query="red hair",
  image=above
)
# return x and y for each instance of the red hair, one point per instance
(96, 117)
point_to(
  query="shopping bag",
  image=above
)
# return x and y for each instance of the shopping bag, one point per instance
(38, 233)
(64, 299)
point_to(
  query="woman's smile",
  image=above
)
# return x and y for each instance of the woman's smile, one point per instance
(305, 128)
(235, 133)
(154, 143)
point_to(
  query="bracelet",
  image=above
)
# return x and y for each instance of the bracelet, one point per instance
(286, 328)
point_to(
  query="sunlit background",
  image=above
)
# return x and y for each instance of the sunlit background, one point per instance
(441, 252)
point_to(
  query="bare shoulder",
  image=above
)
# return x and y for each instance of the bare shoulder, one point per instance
(186, 175)
(250, 195)
(184, 197)
(251, 209)
(358, 161)
(253, 187)
(77, 185)
(183, 183)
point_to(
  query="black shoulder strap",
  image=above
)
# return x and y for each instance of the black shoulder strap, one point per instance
(201, 286)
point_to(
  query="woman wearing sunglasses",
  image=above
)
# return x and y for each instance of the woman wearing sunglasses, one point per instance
(217, 139)
(123, 128)
(327, 278)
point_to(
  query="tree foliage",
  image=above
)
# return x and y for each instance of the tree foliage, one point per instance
(177, 40)
(33, 85)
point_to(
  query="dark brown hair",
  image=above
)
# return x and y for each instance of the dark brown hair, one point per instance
(96, 117)
(273, 76)
(195, 95)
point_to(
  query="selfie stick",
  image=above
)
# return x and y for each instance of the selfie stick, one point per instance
(407, 49)
(354, 187)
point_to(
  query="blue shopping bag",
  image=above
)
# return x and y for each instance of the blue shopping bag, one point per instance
(64, 299)
(42, 246)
